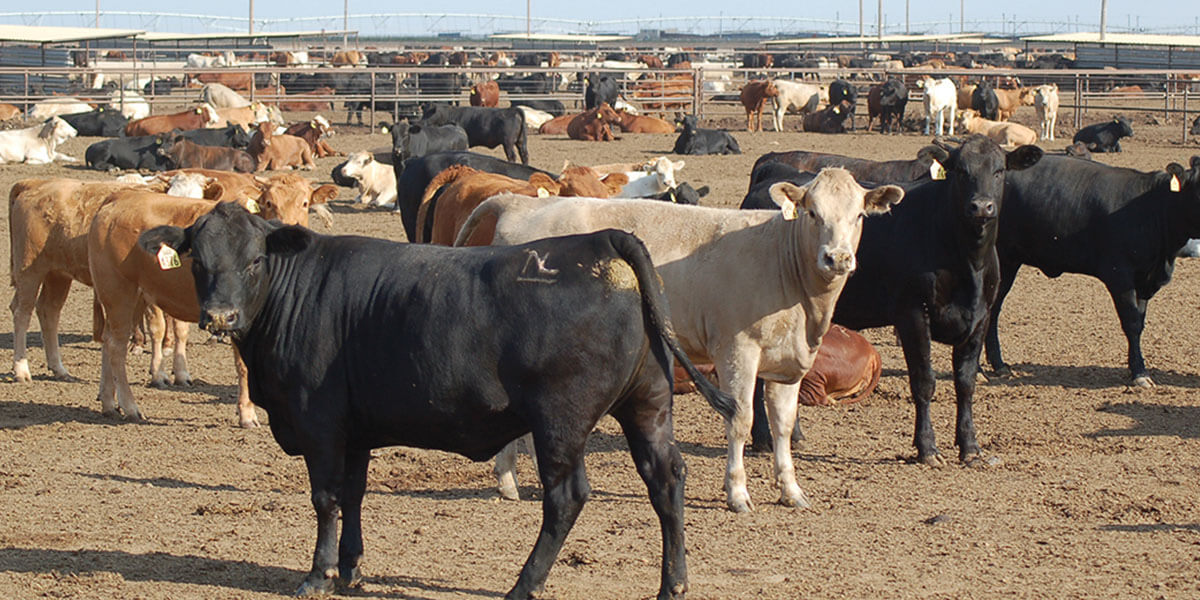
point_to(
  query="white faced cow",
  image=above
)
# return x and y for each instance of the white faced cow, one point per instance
(37, 145)
(750, 291)
(941, 99)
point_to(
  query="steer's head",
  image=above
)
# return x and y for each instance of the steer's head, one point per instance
(828, 213)
(1185, 186)
(975, 174)
(289, 198)
(229, 249)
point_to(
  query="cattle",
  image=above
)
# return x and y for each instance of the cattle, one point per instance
(310, 102)
(683, 193)
(485, 93)
(37, 145)
(455, 192)
(831, 119)
(231, 136)
(314, 131)
(534, 119)
(122, 275)
(558, 125)
(1195, 127)
(278, 151)
(535, 84)
(238, 187)
(376, 182)
(201, 61)
(284, 59)
(754, 95)
(806, 97)
(129, 104)
(1008, 101)
(234, 81)
(161, 86)
(456, 400)
(651, 178)
(488, 127)
(413, 177)
(842, 91)
(1104, 137)
(101, 122)
(9, 112)
(348, 58)
(140, 152)
(930, 270)
(594, 124)
(600, 88)
(554, 107)
(194, 118)
(765, 176)
(889, 171)
(412, 140)
(985, 102)
(1004, 134)
(220, 96)
(773, 332)
(631, 123)
(941, 100)
(248, 116)
(887, 101)
(183, 154)
(1121, 226)
(694, 140)
(51, 107)
(1045, 102)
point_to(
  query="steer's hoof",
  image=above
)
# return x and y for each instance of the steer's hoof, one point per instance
(315, 586)
(932, 459)
(799, 500)
(349, 578)
(741, 505)
(248, 421)
(1142, 381)
(1002, 372)
(183, 380)
(158, 383)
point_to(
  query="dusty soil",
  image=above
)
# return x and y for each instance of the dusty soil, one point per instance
(1091, 491)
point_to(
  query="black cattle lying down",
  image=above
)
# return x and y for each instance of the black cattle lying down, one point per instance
(694, 140)
(683, 193)
(103, 122)
(929, 269)
(410, 140)
(1121, 226)
(984, 100)
(482, 363)
(232, 136)
(413, 176)
(888, 171)
(551, 106)
(488, 127)
(765, 175)
(1104, 137)
(831, 119)
(138, 152)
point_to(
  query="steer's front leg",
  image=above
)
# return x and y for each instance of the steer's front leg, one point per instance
(736, 373)
(325, 475)
(913, 329)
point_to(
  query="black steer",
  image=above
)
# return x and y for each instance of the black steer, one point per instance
(929, 269)
(766, 174)
(887, 101)
(601, 88)
(489, 127)
(410, 140)
(984, 100)
(232, 136)
(482, 364)
(683, 193)
(138, 152)
(414, 176)
(831, 119)
(1195, 127)
(102, 122)
(888, 171)
(552, 107)
(843, 91)
(1104, 137)
(694, 140)
(1121, 226)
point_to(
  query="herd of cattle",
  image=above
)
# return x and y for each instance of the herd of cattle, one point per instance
(583, 287)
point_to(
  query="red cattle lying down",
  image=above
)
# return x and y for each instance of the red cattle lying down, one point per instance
(846, 370)
(557, 125)
(594, 125)
(200, 117)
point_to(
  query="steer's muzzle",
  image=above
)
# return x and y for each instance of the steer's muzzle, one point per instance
(983, 209)
(837, 262)
(218, 320)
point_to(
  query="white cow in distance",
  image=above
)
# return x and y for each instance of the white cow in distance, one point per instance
(52, 107)
(806, 97)
(941, 99)
(1045, 102)
(376, 181)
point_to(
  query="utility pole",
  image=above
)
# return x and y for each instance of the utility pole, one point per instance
(97, 14)
(528, 29)
(345, 24)
(861, 31)
(879, 20)
(1103, 19)
(251, 24)
(962, 16)
(907, 29)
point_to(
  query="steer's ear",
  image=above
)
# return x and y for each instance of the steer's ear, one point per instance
(788, 196)
(289, 239)
(1195, 162)
(882, 198)
(322, 194)
(1022, 158)
(178, 238)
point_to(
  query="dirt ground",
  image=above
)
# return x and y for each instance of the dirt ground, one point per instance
(1091, 491)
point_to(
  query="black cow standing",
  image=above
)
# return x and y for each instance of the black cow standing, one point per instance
(843, 91)
(1121, 226)
(887, 101)
(103, 122)
(1104, 137)
(984, 100)
(694, 140)
(601, 88)
(929, 269)
(482, 364)
(411, 140)
(488, 127)
(414, 175)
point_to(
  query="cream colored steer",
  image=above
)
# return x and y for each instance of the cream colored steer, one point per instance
(750, 291)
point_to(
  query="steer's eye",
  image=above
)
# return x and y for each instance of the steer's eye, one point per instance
(811, 214)
(255, 264)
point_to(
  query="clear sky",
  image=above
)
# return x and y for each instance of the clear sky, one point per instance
(1031, 16)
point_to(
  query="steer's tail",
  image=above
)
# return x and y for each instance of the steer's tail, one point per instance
(446, 177)
(654, 302)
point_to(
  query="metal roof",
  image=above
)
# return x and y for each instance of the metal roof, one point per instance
(1118, 39)
(58, 35)
(156, 36)
(874, 39)
(560, 37)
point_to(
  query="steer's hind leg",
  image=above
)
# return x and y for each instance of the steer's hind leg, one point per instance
(649, 430)
(350, 549)
(1131, 309)
(564, 479)
(1008, 275)
(22, 305)
(49, 308)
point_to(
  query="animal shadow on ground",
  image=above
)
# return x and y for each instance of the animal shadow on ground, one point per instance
(1089, 377)
(19, 415)
(35, 340)
(161, 482)
(407, 585)
(1152, 527)
(153, 566)
(1153, 419)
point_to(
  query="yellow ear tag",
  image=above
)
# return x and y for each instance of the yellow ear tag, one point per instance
(1174, 184)
(252, 206)
(168, 258)
(936, 171)
(837, 110)
(543, 193)
(197, 111)
(384, 129)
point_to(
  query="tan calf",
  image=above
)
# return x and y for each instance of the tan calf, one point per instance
(279, 151)
(1005, 134)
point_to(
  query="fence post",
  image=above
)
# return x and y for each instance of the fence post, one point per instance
(372, 101)
(1167, 99)
(697, 91)
(1185, 115)
(1078, 102)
